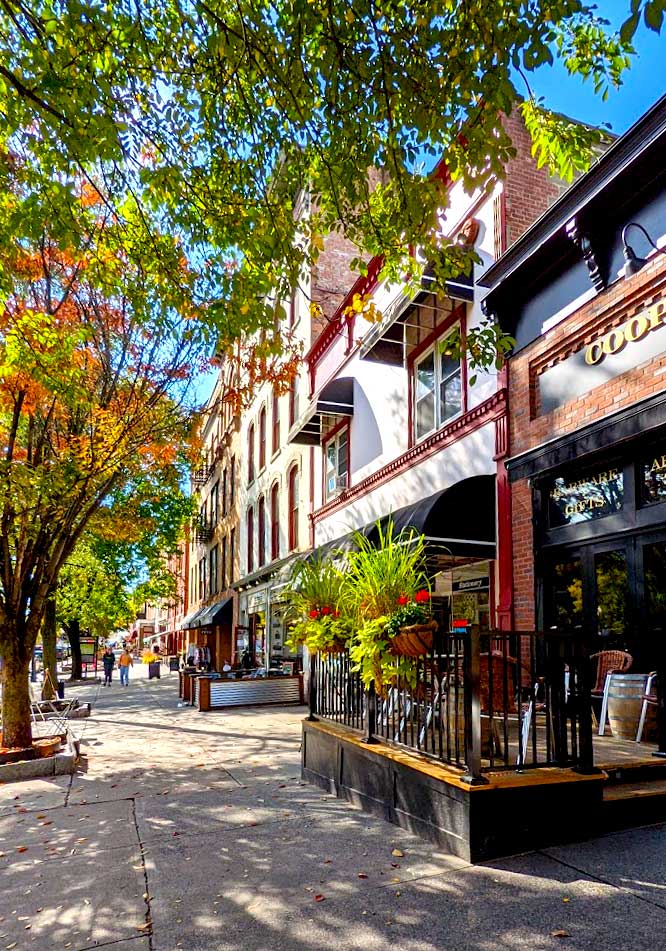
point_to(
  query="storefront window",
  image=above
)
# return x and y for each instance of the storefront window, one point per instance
(572, 501)
(654, 479)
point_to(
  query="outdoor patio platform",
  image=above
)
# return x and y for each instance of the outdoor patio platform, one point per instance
(502, 817)
(513, 811)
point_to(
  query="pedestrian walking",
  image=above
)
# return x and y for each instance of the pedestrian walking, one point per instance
(109, 661)
(124, 664)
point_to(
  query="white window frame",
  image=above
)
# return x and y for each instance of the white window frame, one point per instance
(435, 351)
(331, 491)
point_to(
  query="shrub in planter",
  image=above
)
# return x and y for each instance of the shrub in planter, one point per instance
(386, 590)
(315, 617)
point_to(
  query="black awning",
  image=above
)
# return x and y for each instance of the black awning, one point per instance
(218, 613)
(192, 620)
(335, 400)
(459, 520)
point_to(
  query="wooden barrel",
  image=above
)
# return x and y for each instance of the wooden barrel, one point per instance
(625, 699)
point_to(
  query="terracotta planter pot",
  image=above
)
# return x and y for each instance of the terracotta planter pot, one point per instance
(415, 640)
(47, 747)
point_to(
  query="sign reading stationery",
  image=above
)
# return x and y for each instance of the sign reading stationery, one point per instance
(638, 339)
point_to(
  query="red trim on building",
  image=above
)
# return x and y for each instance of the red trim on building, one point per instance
(468, 423)
(504, 528)
(312, 498)
(339, 323)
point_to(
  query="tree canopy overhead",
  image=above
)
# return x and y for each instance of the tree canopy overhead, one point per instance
(203, 119)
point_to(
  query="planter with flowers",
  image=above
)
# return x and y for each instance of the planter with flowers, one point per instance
(388, 598)
(314, 599)
(411, 628)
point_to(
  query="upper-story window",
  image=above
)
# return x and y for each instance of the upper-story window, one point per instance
(293, 500)
(250, 453)
(225, 576)
(213, 572)
(293, 401)
(232, 555)
(275, 443)
(262, 438)
(250, 540)
(261, 530)
(275, 522)
(214, 504)
(202, 579)
(437, 389)
(232, 482)
(336, 463)
(224, 491)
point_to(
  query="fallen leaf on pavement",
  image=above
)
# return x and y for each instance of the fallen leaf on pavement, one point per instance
(319, 898)
(362, 875)
(398, 853)
(22, 848)
(561, 933)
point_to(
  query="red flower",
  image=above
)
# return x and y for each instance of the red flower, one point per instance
(314, 614)
(336, 614)
(422, 597)
(403, 599)
(325, 611)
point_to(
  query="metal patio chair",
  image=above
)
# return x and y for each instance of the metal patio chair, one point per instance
(650, 698)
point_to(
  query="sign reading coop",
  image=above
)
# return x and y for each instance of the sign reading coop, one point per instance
(572, 501)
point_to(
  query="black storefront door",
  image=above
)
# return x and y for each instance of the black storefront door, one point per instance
(615, 591)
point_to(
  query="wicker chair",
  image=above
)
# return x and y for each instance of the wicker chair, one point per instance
(608, 662)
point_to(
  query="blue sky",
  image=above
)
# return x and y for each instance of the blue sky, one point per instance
(644, 83)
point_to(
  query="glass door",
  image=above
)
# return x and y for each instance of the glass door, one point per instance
(651, 563)
(610, 592)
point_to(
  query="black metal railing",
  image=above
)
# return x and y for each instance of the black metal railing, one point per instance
(203, 529)
(500, 700)
(336, 691)
(202, 475)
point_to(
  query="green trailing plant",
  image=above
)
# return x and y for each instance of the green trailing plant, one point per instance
(386, 587)
(314, 596)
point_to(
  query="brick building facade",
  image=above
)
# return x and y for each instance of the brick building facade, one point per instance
(587, 401)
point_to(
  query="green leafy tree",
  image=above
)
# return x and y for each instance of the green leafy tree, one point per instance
(207, 120)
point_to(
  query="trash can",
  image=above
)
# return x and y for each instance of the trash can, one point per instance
(61, 690)
(154, 670)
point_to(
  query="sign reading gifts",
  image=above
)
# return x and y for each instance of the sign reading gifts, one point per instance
(572, 501)
(611, 353)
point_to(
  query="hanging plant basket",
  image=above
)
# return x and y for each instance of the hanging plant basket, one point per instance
(414, 640)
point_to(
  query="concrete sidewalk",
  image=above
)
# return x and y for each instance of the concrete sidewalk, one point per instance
(194, 831)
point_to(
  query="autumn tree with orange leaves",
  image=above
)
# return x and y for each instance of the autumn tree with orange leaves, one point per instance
(95, 363)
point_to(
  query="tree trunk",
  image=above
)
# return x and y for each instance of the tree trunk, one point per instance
(49, 645)
(16, 719)
(73, 629)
